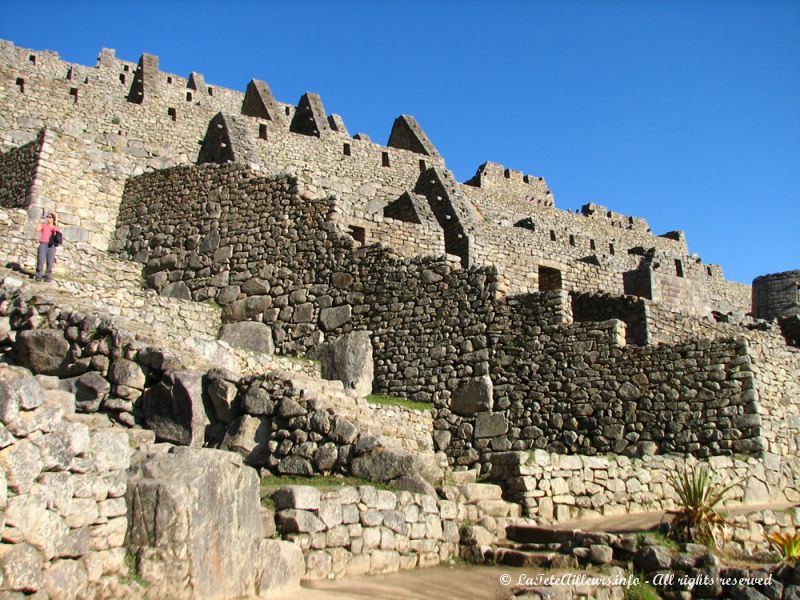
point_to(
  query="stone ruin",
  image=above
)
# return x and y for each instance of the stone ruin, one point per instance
(572, 358)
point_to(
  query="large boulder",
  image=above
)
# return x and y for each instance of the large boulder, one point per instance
(384, 464)
(175, 408)
(349, 359)
(42, 350)
(195, 527)
(248, 335)
(473, 396)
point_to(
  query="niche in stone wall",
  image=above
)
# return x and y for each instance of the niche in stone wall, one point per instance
(359, 234)
(385, 159)
(526, 223)
(549, 279)
(21, 85)
(678, 268)
(262, 131)
(172, 114)
(74, 93)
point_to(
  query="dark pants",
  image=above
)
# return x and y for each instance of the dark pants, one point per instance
(46, 255)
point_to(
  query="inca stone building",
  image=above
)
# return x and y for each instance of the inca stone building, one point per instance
(526, 326)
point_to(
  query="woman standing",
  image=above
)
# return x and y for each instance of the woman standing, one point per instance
(49, 241)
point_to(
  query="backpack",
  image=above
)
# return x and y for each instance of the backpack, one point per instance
(56, 239)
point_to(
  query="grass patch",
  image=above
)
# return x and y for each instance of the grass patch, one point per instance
(270, 485)
(659, 538)
(641, 591)
(394, 401)
(133, 572)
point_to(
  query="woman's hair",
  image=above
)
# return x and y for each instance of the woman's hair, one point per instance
(55, 218)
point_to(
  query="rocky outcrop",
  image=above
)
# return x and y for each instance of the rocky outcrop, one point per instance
(213, 546)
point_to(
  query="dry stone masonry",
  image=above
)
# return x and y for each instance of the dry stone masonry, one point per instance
(239, 273)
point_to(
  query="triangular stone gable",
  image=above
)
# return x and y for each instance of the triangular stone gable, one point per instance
(309, 118)
(336, 123)
(196, 81)
(146, 81)
(402, 209)
(227, 140)
(408, 135)
(259, 102)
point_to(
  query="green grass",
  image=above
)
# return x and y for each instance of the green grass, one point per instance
(270, 485)
(641, 591)
(394, 401)
(133, 572)
(660, 538)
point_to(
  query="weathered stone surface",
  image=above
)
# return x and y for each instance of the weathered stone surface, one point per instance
(22, 463)
(414, 482)
(383, 464)
(90, 390)
(349, 359)
(110, 450)
(282, 566)
(65, 579)
(297, 496)
(249, 335)
(44, 529)
(653, 558)
(21, 566)
(42, 350)
(474, 396)
(223, 394)
(174, 408)
(178, 290)
(211, 502)
(333, 317)
(490, 425)
(298, 521)
(248, 435)
(128, 373)
(296, 465)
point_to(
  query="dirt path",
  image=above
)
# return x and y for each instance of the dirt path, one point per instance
(438, 583)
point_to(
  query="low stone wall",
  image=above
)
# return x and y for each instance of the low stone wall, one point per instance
(748, 532)
(554, 488)
(62, 487)
(358, 530)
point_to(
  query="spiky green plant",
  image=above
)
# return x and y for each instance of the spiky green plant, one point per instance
(697, 518)
(787, 545)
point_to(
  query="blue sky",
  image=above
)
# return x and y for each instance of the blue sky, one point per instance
(686, 113)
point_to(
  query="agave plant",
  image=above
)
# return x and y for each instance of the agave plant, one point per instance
(698, 518)
(787, 545)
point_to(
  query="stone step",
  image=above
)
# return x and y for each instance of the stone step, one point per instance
(534, 534)
(477, 492)
(522, 558)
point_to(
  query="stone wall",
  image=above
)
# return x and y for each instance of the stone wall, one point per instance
(17, 169)
(62, 492)
(577, 387)
(427, 316)
(602, 307)
(556, 488)
(126, 117)
(775, 368)
(357, 530)
(729, 296)
(430, 321)
(776, 295)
